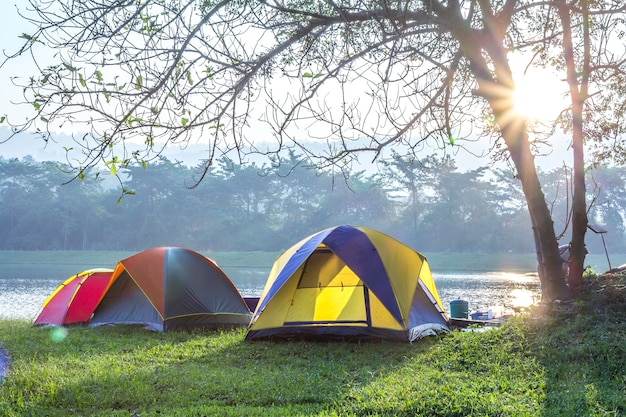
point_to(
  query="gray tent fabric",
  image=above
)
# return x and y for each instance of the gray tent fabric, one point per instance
(125, 303)
(169, 287)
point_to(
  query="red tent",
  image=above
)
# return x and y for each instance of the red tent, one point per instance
(75, 300)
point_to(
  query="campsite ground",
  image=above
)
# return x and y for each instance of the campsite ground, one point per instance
(554, 362)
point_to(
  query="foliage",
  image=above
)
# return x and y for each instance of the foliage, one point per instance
(361, 75)
(428, 204)
(167, 72)
(567, 361)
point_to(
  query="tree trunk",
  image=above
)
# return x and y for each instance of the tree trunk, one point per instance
(578, 251)
(540, 270)
(549, 262)
(578, 95)
(514, 132)
(495, 84)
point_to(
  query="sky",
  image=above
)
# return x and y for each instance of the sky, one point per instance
(12, 26)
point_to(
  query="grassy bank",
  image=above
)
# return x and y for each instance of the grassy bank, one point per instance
(61, 264)
(568, 362)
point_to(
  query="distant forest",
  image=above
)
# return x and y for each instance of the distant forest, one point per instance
(428, 204)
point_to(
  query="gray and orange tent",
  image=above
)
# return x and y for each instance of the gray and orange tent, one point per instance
(74, 301)
(349, 282)
(166, 288)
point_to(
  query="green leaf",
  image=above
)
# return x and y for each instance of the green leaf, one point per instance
(311, 75)
(189, 79)
(69, 67)
(81, 175)
(2, 119)
(138, 82)
(451, 139)
(99, 76)
(130, 120)
(124, 192)
(112, 165)
(28, 37)
(184, 121)
(82, 80)
(36, 105)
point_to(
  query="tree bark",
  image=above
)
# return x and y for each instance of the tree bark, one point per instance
(549, 261)
(578, 252)
(578, 93)
(495, 84)
(540, 270)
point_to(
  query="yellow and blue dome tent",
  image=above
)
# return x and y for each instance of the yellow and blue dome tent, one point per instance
(349, 282)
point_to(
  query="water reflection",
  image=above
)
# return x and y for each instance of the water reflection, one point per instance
(522, 298)
(22, 298)
(503, 293)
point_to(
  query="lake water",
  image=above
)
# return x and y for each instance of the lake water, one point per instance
(503, 293)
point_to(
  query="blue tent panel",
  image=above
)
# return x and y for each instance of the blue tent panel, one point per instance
(357, 251)
(292, 265)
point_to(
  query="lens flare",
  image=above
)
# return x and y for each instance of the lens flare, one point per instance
(58, 334)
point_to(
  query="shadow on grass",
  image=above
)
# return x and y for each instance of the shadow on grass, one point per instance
(121, 370)
(571, 362)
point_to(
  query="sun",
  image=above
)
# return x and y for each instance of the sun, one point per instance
(539, 95)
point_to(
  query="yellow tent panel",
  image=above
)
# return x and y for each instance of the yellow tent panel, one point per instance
(349, 282)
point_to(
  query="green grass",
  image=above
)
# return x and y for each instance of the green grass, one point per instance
(568, 361)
